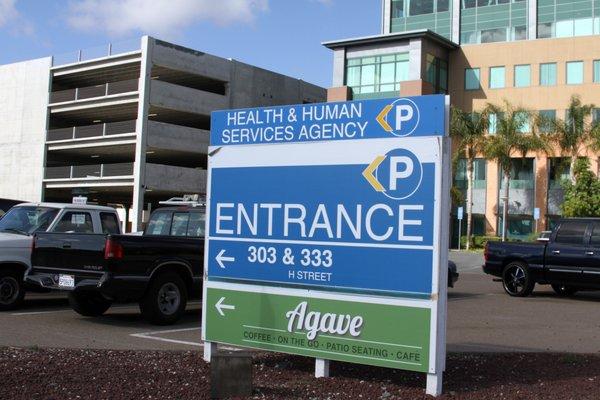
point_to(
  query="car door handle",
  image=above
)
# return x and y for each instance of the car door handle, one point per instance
(555, 251)
(589, 253)
(66, 245)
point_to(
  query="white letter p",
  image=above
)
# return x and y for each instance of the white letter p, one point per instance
(395, 174)
(404, 112)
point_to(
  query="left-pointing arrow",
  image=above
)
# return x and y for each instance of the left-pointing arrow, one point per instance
(221, 257)
(220, 306)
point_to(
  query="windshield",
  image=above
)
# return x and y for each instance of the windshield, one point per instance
(27, 220)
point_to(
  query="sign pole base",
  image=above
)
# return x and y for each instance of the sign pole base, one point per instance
(434, 384)
(321, 368)
(210, 348)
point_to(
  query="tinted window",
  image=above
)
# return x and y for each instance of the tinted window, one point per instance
(75, 222)
(110, 223)
(571, 232)
(595, 239)
(27, 219)
(160, 223)
(196, 225)
(179, 226)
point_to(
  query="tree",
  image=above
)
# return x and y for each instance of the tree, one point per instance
(468, 130)
(582, 198)
(575, 133)
(511, 139)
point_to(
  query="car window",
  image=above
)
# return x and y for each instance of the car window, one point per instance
(595, 239)
(75, 222)
(160, 223)
(179, 226)
(28, 219)
(571, 232)
(196, 224)
(110, 223)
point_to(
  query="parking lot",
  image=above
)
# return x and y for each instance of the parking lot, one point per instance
(481, 318)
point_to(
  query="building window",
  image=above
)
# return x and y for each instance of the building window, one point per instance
(596, 71)
(496, 77)
(436, 73)
(574, 72)
(409, 15)
(547, 117)
(398, 9)
(519, 33)
(487, 21)
(558, 172)
(420, 7)
(472, 81)
(522, 120)
(595, 115)
(522, 75)
(548, 74)
(493, 124)
(368, 76)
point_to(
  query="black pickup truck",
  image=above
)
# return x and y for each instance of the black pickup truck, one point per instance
(568, 260)
(160, 269)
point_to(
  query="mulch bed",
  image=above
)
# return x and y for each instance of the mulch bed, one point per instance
(33, 373)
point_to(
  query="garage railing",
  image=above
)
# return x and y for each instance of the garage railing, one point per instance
(89, 171)
(91, 131)
(90, 92)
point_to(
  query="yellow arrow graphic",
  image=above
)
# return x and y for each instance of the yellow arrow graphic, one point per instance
(368, 174)
(381, 118)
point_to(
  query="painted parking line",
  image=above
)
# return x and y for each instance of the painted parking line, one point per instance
(152, 336)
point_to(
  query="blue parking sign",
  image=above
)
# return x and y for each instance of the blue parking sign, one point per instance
(337, 196)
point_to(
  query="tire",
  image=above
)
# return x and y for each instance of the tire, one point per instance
(12, 290)
(564, 290)
(516, 279)
(165, 300)
(89, 304)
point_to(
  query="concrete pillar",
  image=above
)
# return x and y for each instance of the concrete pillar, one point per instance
(139, 180)
(386, 16)
(456, 21)
(342, 93)
(339, 67)
(541, 190)
(532, 19)
(491, 198)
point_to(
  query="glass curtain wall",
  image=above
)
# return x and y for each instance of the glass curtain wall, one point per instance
(409, 15)
(566, 18)
(377, 76)
(487, 21)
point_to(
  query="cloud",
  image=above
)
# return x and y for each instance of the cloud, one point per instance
(165, 18)
(12, 19)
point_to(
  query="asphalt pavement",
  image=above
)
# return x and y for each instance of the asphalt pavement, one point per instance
(481, 318)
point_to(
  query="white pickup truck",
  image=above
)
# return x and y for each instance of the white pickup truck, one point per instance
(21, 222)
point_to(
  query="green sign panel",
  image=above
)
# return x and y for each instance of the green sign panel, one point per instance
(386, 335)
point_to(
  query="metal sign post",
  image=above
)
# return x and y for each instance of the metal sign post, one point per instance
(306, 206)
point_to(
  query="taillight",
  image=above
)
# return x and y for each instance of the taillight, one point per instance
(112, 250)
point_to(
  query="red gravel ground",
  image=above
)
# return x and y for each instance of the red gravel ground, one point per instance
(101, 374)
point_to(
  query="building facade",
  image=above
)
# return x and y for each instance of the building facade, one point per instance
(124, 126)
(534, 54)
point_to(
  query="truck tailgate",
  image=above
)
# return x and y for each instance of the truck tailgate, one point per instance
(80, 256)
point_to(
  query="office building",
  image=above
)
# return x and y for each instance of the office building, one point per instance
(533, 53)
(126, 125)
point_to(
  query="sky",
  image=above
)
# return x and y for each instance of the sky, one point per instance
(280, 35)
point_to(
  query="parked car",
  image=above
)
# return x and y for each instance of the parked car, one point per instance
(159, 269)
(22, 221)
(569, 260)
(452, 273)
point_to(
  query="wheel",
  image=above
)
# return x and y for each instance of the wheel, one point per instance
(12, 290)
(564, 290)
(516, 279)
(90, 304)
(165, 300)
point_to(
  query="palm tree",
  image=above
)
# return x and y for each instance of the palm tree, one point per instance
(468, 130)
(575, 133)
(508, 140)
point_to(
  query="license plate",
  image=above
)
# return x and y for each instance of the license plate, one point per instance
(66, 281)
